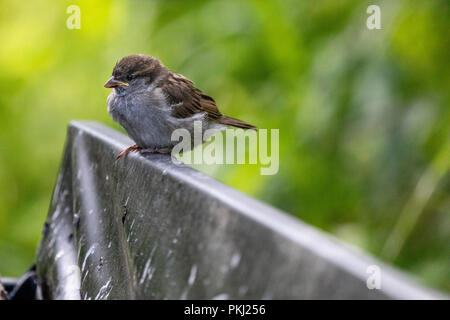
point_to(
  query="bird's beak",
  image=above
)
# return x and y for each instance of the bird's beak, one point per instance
(112, 83)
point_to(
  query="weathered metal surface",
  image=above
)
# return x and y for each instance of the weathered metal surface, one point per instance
(144, 228)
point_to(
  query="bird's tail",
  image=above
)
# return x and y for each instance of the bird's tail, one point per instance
(229, 121)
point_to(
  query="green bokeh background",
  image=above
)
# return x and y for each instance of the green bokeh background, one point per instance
(364, 115)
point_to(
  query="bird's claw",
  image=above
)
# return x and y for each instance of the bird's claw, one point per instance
(127, 151)
(151, 150)
(143, 151)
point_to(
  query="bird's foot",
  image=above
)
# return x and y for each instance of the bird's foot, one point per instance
(153, 150)
(127, 151)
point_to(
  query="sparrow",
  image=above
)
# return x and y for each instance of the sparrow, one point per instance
(149, 101)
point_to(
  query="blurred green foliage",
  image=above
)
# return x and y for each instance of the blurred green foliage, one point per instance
(364, 115)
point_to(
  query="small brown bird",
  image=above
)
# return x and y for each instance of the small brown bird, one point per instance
(150, 102)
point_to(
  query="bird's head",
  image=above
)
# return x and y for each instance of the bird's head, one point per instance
(134, 73)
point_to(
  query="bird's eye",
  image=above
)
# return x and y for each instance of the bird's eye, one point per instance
(130, 77)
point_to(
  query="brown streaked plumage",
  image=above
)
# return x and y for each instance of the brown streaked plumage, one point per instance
(189, 100)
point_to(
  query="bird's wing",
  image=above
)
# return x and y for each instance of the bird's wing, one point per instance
(187, 100)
